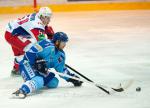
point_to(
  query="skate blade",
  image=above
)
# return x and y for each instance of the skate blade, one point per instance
(18, 96)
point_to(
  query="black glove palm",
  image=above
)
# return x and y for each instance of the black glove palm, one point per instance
(40, 65)
(76, 83)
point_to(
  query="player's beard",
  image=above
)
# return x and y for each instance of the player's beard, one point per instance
(59, 45)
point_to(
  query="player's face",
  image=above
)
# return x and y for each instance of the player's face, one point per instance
(45, 20)
(60, 45)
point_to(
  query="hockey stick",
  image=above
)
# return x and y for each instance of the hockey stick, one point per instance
(83, 80)
(102, 88)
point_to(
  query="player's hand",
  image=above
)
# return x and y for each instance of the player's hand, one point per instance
(76, 83)
(40, 65)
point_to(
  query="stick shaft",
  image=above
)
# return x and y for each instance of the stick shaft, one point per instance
(78, 73)
(83, 80)
(99, 86)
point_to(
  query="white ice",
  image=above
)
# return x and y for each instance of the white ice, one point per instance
(107, 46)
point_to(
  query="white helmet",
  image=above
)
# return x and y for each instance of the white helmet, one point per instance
(45, 11)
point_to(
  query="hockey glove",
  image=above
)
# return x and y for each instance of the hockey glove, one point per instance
(76, 83)
(73, 81)
(41, 37)
(40, 65)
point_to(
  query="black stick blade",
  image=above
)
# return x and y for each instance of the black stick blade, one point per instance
(118, 90)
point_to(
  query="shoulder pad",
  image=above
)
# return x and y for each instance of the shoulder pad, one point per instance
(38, 23)
(36, 48)
(45, 43)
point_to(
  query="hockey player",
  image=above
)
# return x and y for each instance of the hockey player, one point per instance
(24, 32)
(42, 56)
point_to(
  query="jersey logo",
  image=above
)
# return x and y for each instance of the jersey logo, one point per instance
(32, 17)
(23, 21)
(60, 59)
(39, 48)
(28, 69)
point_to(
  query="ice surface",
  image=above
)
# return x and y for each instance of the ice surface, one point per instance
(107, 46)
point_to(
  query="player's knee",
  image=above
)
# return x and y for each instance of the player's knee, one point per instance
(39, 82)
(53, 83)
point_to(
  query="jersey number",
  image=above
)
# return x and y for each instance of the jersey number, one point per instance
(23, 20)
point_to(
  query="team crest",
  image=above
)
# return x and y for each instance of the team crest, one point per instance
(60, 59)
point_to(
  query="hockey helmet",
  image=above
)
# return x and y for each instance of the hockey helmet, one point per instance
(45, 11)
(60, 36)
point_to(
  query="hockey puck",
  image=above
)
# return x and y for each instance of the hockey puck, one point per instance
(138, 89)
